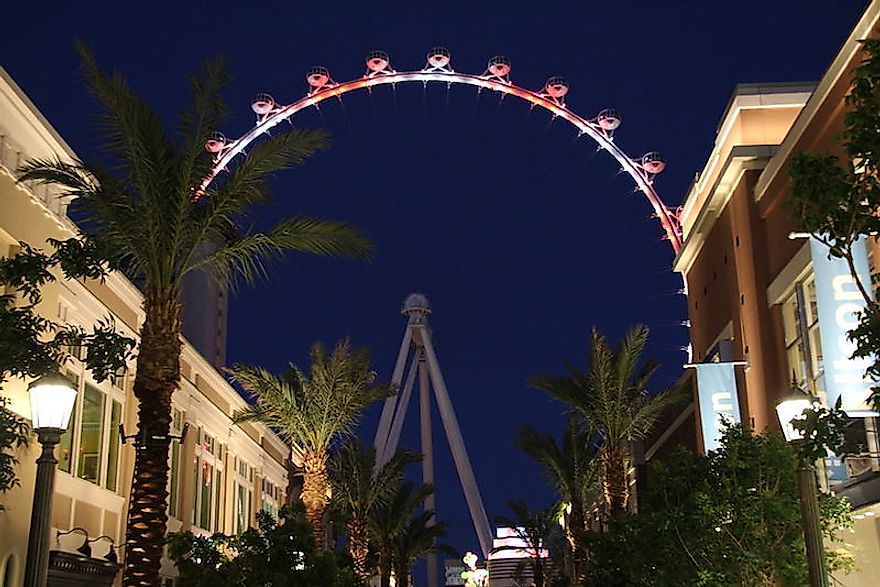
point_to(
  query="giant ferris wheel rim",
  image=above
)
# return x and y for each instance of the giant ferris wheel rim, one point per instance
(643, 178)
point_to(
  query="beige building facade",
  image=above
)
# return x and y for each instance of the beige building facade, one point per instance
(221, 473)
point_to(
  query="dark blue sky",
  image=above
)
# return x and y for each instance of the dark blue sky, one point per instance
(518, 236)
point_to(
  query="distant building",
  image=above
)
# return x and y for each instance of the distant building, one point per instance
(453, 568)
(510, 567)
(220, 475)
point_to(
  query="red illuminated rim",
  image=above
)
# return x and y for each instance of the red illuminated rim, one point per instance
(379, 72)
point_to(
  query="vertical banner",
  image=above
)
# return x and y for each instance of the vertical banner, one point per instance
(719, 404)
(839, 302)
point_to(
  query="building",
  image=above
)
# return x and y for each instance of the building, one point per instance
(758, 299)
(510, 567)
(221, 474)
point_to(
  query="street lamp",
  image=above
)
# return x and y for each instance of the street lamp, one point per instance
(790, 409)
(52, 399)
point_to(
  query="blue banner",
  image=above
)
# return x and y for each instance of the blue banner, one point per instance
(719, 404)
(839, 302)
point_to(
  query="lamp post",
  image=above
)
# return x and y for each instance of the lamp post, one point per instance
(52, 398)
(789, 409)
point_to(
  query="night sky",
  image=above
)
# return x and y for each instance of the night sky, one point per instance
(521, 238)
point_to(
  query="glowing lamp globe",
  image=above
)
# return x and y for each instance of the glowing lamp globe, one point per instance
(52, 398)
(791, 409)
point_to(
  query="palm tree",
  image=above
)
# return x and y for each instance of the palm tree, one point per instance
(359, 488)
(416, 538)
(535, 531)
(142, 206)
(311, 411)
(611, 395)
(390, 519)
(572, 468)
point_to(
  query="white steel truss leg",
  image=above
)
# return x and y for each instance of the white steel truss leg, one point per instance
(456, 445)
(388, 408)
(400, 413)
(427, 453)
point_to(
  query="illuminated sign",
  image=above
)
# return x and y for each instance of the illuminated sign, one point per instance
(839, 303)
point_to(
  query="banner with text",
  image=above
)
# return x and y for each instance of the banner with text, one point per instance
(719, 404)
(839, 302)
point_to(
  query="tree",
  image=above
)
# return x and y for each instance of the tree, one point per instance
(312, 411)
(612, 397)
(358, 488)
(32, 345)
(142, 205)
(572, 469)
(535, 531)
(417, 537)
(728, 519)
(837, 201)
(390, 519)
(279, 552)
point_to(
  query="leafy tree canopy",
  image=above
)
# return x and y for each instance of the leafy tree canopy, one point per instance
(731, 518)
(280, 553)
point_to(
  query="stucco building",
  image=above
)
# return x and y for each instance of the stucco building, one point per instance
(221, 474)
(761, 296)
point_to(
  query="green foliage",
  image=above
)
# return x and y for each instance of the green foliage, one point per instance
(14, 434)
(358, 486)
(612, 398)
(280, 553)
(31, 345)
(731, 518)
(837, 201)
(823, 429)
(147, 205)
(312, 410)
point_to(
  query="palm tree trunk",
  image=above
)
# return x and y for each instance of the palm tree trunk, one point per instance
(616, 483)
(401, 576)
(316, 488)
(538, 572)
(156, 379)
(575, 534)
(358, 549)
(384, 569)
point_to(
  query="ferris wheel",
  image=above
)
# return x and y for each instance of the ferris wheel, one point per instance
(438, 68)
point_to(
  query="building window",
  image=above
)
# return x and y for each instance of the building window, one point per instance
(89, 448)
(91, 435)
(113, 449)
(803, 349)
(244, 492)
(65, 445)
(207, 492)
(174, 464)
(269, 498)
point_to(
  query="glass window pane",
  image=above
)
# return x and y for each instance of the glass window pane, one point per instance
(217, 497)
(175, 478)
(207, 483)
(113, 451)
(816, 350)
(810, 301)
(790, 320)
(65, 445)
(196, 483)
(91, 433)
(796, 364)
